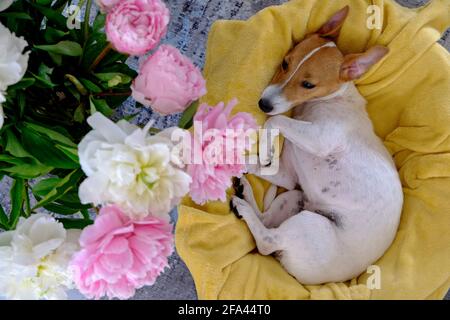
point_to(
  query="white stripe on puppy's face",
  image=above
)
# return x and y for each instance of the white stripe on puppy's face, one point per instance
(275, 98)
(309, 55)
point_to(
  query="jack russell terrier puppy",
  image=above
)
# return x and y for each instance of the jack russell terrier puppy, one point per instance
(348, 209)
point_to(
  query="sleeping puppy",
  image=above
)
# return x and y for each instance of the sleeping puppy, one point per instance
(348, 209)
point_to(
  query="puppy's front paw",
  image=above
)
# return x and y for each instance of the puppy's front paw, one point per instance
(234, 210)
(241, 207)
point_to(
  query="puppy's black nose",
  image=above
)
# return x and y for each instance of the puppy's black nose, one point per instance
(265, 105)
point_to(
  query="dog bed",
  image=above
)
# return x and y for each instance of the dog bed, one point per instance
(409, 103)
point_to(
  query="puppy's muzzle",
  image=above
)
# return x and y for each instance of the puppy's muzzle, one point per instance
(265, 105)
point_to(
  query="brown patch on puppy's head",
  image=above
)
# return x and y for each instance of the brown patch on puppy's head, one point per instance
(315, 68)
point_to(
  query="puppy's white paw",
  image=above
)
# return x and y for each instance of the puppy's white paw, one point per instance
(240, 207)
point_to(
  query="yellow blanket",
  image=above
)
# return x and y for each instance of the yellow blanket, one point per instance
(408, 97)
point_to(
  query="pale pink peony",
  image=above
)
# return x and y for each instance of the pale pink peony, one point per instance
(212, 177)
(106, 5)
(119, 255)
(137, 26)
(168, 81)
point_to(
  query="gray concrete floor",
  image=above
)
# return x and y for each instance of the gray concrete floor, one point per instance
(188, 31)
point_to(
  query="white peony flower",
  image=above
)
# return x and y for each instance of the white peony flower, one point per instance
(34, 259)
(4, 4)
(2, 116)
(128, 167)
(13, 62)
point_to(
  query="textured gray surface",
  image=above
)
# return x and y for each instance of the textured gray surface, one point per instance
(188, 30)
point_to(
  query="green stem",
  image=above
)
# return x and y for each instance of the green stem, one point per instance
(80, 5)
(27, 200)
(87, 16)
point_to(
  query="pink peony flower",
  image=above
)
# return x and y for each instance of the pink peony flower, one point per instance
(223, 141)
(136, 26)
(119, 255)
(106, 5)
(168, 81)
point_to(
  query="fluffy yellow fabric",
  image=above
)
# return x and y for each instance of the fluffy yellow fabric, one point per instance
(409, 103)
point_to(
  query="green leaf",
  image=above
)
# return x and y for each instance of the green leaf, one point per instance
(72, 90)
(113, 58)
(85, 214)
(17, 201)
(130, 117)
(188, 115)
(101, 106)
(113, 79)
(99, 23)
(63, 186)
(13, 145)
(44, 2)
(43, 187)
(60, 4)
(60, 209)
(53, 16)
(22, 84)
(72, 200)
(78, 115)
(52, 134)
(92, 87)
(94, 46)
(4, 222)
(72, 153)
(43, 76)
(75, 223)
(45, 150)
(53, 35)
(16, 15)
(119, 67)
(26, 168)
(56, 58)
(9, 159)
(65, 48)
(22, 102)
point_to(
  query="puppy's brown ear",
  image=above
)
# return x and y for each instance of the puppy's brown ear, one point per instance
(332, 27)
(355, 65)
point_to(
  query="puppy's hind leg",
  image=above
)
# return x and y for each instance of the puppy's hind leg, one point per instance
(270, 196)
(313, 252)
(267, 240)
(282, 208)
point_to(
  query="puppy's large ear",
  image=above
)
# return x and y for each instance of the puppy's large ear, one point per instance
(332, 27)
(355, 65)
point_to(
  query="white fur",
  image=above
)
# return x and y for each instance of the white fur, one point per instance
(352, 197)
